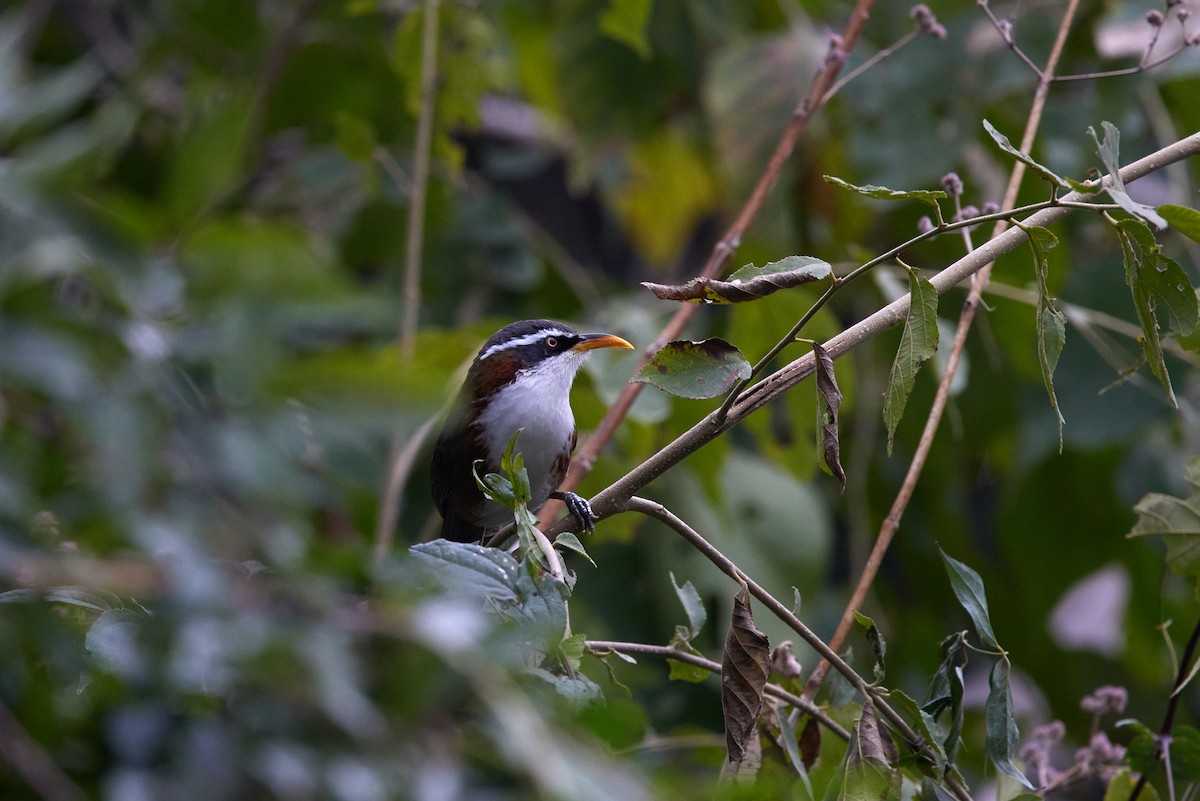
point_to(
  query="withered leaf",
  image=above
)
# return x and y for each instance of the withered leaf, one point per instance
(829, 401)
(745, 665)
(748, 283)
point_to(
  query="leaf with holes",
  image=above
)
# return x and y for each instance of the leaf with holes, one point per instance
(918, 343)
(748, 283)
(1156, 282)
(929, 197)
(1108, 148)
(1020, 155)
(745, 665)
(695, 370)
(829, 401)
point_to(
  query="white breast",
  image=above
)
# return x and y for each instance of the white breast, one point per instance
(538, 401)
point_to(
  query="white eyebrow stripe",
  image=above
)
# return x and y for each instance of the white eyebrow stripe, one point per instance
(528, 339)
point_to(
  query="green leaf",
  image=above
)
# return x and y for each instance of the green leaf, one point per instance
(355, 137)
(868, 771)
(927, 196)
(1184, 744)
(625, 21)
(787, 739)
(1156, 281)
(1171, 290)
(875, 640)
(924, 725)
(1001, 726)
(1177, 521)
(684, 671)
(1051, 323)
(918, 343)
(1108, 149)
(571, 543)
(693, 606)
(1183, 219)
(1185, 754)
(1142, 752)
(471, 568)
(968, 589)
(1120, 788)
(1002, 141)
(748, 283)
(695, 370)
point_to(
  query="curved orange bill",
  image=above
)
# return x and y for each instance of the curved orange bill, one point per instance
(593, 341)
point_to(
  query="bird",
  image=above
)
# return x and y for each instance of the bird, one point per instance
(520, 379)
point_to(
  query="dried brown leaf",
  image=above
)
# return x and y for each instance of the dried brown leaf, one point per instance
(745, 665)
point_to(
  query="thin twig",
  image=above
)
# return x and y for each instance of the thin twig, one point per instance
(420, 182)
(1083, 317)
(31, 762)
(891, 523)
(1164, 731)
(401, 457)
(883, 54)
(788, 617)
(600, 647)
(722, 252)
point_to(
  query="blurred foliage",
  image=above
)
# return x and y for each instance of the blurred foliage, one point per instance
(202, 235)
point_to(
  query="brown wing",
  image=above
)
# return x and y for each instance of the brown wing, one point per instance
(453, 484)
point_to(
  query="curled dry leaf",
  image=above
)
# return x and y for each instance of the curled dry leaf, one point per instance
(748, 283)
(829, 401)
(745, 665)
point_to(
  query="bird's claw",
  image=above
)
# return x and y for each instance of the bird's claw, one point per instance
(581, 510)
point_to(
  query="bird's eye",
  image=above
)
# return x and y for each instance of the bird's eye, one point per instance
(551, 342)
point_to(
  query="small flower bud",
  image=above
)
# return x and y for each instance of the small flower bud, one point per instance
(837, 53)
(784, 662)
(927, 21)
(924, 225)
(1183, 14)
(1005, 29)
(966, 213)
(1105, 699)
(952, 184)
(991, 207)
(1154, 17)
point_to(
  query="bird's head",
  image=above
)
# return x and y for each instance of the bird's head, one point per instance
(543, 351)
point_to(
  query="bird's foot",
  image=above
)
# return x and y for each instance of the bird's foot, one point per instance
(579, 508)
